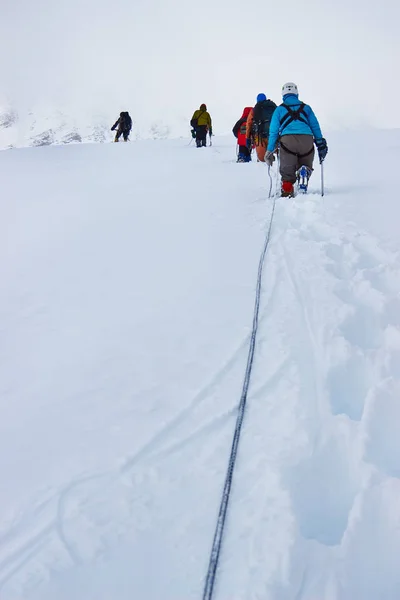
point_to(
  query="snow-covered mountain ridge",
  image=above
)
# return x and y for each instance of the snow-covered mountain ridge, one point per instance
(44, 128)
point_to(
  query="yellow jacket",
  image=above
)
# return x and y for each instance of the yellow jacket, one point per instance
(203, 118)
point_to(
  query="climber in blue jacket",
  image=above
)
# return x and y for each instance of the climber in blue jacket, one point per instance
(295, 127)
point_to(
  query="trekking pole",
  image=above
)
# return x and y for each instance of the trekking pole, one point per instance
(278, 162)
(322, 178)
(270, 181)
(210, 139)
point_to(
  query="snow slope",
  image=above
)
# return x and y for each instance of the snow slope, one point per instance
(47, 125)
(128, 274)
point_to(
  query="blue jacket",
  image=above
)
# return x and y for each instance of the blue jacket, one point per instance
(295, 127)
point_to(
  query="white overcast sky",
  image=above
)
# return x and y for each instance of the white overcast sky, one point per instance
(160, 59)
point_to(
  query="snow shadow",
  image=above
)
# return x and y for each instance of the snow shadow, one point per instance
(322, 492)
(347, 387)
(362, 328)
(383, 445)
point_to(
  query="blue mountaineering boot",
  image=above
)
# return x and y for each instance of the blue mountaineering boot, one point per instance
(303, 175)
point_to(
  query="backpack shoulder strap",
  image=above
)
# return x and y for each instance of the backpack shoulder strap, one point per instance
(256, 113)
(194, 118)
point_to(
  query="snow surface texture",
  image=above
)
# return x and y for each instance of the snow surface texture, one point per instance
(128, 274)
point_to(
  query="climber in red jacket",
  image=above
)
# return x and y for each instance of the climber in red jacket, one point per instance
(239, 131)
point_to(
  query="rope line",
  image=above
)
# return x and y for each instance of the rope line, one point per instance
(219, 530)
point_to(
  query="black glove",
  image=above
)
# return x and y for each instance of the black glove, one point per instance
(249, 143)
(322, 149)
(210, 131)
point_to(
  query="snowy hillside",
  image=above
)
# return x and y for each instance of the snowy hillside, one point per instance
(128, 275)
(47, 126)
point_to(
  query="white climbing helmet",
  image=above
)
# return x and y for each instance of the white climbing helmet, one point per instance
(290, 88)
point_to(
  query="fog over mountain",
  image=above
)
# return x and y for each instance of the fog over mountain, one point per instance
(75, 64)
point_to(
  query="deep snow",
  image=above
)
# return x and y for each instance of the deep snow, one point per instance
(128, 274)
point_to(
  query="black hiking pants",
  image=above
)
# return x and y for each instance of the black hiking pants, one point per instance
(201, 135)
(123, 132)
(244, 153)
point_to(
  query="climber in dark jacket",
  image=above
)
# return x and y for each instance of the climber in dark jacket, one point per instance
(257, 130)
(124, 124)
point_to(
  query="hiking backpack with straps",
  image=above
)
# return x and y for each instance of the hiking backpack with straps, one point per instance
(293, 115)
(262, 114)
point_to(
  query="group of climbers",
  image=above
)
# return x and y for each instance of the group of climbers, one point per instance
(290, 129)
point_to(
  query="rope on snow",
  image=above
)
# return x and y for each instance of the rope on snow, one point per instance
(219, 530)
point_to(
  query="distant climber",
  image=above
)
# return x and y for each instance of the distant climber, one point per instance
(239, 131)
(124, 125)
(201, 123)
(258, 125)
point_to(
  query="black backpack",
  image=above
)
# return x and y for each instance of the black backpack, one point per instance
(262, 114)
(127, 122)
